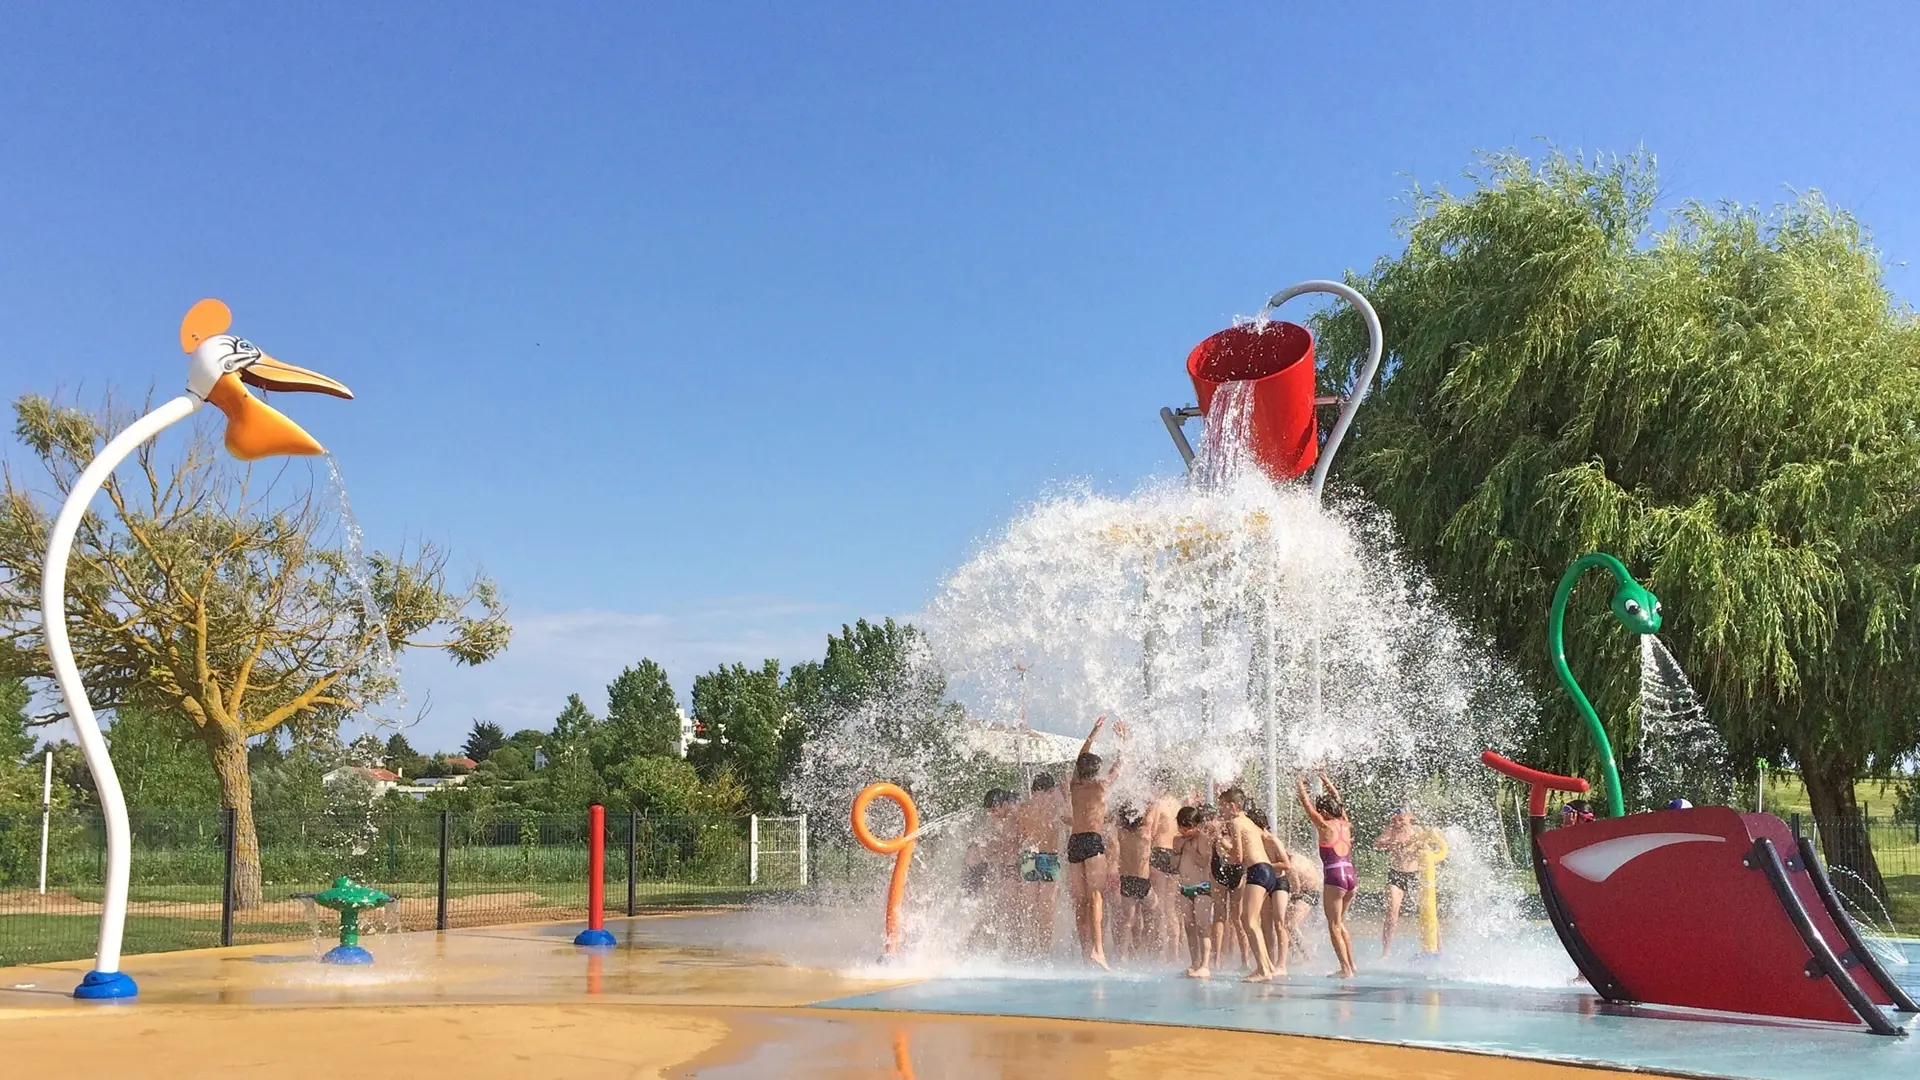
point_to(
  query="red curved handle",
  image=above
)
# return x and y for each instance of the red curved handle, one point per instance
(1541, 782)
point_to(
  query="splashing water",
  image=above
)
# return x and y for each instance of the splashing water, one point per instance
(1878, 932)
(1679, 753)
(1193, 614)
(386, 701)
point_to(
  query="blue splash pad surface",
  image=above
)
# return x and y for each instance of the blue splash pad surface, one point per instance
(1568, 1025)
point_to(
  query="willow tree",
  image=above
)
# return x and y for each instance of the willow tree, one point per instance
(1727, 402)
(231, 595)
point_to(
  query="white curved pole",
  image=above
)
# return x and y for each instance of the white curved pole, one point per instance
(1376, 345)
(53, 610)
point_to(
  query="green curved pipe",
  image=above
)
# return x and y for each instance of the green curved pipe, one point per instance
(1637, 609)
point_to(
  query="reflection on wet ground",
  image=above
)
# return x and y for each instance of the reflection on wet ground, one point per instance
(591, 1041)
(689, 997)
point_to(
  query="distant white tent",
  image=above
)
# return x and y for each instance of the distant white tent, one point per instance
(1015, 745)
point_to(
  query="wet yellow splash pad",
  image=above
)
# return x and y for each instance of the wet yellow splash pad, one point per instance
(520, 1002)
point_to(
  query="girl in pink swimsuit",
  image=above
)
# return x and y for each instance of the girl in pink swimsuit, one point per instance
(1329, 818)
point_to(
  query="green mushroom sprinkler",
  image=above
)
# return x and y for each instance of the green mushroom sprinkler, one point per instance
(349, 899)
(1638, 610)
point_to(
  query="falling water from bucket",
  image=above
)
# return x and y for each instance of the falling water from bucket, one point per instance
(1265, 371)
(1180, 609)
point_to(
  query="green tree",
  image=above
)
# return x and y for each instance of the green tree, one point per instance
(19, 779)
(876, 697)
(162, 768)
(1726, 403)
(21, 775)
(745, 713)
(222, 593)
(483, 740)
(402, 758)
(505, 765)
(574, 731)
(368, 751)
(642, 717)
(671, 787)
(291, 784)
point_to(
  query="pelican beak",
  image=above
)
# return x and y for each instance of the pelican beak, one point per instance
(256, 429)
(270, 374)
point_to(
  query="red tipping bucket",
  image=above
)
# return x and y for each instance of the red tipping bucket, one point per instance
(1278, 360)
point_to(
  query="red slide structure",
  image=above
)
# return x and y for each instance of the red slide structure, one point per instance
(1704, 908)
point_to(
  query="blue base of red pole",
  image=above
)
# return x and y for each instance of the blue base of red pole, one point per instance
(595, 939)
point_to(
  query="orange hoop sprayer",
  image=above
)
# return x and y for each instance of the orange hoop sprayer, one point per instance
(900, 847)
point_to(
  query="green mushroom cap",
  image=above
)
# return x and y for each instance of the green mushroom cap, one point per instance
(348, 896)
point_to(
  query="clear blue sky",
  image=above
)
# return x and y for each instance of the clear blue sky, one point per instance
(707, 328)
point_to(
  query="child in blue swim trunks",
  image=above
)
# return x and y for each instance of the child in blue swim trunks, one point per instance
(1041, 824)
(1193, 859)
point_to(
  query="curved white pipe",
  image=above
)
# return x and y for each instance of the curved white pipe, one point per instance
(53, 611)
(1376, 345)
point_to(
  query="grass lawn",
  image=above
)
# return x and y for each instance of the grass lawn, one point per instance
(35, 939)
(1786, 795)
(39, 937)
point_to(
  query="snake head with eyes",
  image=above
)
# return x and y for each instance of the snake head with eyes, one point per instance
(1636, 607)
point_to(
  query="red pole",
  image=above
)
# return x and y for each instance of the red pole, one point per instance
(596, 866)
(595, 933)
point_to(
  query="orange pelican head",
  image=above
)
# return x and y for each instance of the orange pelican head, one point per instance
(221, 363)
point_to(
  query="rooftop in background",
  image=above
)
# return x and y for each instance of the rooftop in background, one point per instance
(1016, 745)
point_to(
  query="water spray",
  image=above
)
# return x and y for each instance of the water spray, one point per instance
(1277, 359)
(349, 898)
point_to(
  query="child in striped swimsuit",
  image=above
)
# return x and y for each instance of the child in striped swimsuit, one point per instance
(1329, 819)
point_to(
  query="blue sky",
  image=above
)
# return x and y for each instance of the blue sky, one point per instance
(706, 328)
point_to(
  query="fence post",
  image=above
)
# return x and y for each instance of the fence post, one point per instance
(1795, 822)
(440, 906)
(753, 849)
(633, 861)
(806, 855)
(226, 890)
(46, 819)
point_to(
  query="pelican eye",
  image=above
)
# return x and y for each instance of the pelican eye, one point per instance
(244, 353)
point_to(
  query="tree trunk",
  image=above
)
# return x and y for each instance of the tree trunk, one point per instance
(229, 749)
(1843, 834)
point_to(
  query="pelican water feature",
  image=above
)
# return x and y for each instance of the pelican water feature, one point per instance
(220, 367)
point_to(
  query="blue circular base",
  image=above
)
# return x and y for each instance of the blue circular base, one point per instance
(346, 954)
(105, 986)
(596, 939)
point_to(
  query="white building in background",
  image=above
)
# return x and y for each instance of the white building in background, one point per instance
(689, 732)
(382, 780)
(1014, 744)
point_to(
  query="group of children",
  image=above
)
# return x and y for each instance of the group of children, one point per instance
(1214, 878)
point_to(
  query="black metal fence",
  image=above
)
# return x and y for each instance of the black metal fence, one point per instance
(1895, 846)
(192, 885)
